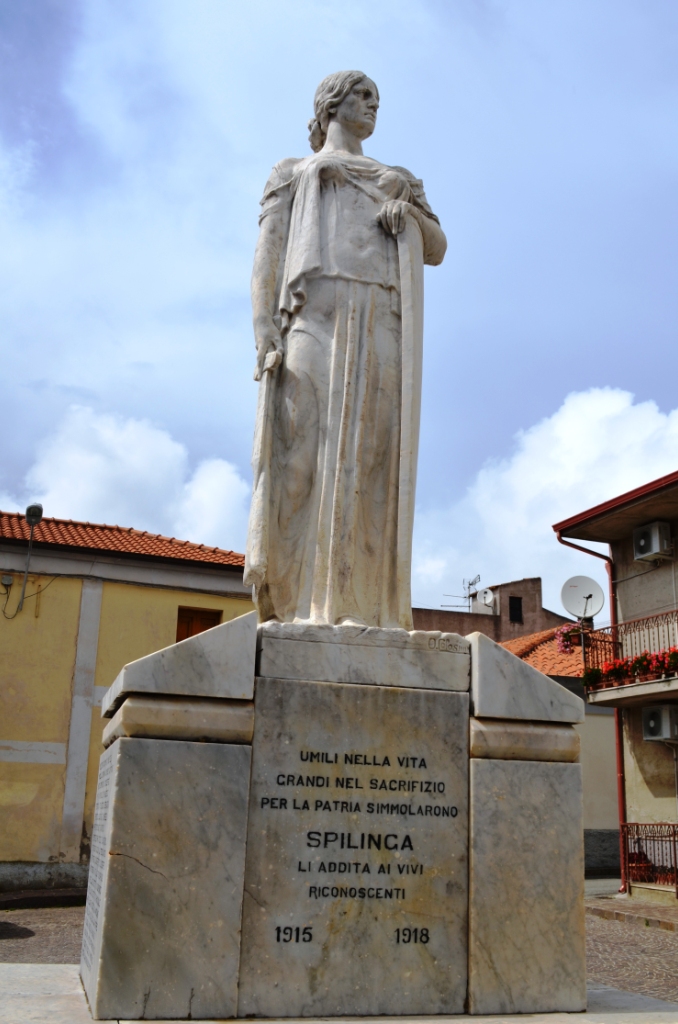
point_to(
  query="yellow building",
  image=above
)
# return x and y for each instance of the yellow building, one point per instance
(97, 597)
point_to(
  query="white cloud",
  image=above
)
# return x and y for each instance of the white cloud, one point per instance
(214, 506)
(597, 445)
(109, 469)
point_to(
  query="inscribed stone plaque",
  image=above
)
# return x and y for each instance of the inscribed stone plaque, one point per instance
(356, 876)
(98, 871)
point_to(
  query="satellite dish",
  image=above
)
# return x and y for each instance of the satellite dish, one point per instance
(486, 597)
(582, 597)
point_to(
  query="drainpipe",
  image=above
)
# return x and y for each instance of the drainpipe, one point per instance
(618, 724)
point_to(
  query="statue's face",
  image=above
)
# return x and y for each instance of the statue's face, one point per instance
(358, 111)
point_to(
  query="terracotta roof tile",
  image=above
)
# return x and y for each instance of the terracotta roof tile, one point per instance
(68, 533)
(523, 645)
(541, 651)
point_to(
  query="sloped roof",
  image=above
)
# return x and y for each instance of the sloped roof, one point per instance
(541, 651)
(73, 535)
(615, 519)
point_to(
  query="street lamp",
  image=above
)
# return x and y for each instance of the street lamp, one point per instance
(33, 517)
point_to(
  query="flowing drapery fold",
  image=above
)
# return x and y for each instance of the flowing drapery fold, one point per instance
(336, 439)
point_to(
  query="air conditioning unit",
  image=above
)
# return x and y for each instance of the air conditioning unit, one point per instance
(661, 724)
(651, 542)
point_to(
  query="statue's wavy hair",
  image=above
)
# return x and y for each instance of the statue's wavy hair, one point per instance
(329, 94)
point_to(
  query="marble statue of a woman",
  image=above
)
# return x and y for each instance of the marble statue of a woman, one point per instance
(337, 298)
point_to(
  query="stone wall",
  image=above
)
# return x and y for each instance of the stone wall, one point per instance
(601, 852)
(495, 622)
(462, 623)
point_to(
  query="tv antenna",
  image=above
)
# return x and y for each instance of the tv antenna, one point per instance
(469, 588)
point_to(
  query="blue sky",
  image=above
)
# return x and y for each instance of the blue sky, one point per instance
(135, 139)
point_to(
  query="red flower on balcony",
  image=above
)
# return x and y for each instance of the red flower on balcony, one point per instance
(644, 667)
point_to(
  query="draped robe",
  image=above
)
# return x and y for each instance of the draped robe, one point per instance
(336, 438)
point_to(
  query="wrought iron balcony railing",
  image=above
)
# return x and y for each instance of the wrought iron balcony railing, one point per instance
(636, 651)
(649, 855)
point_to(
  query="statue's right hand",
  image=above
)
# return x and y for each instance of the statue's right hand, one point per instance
(269, 347)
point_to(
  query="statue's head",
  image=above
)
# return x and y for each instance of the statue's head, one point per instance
(347, 96)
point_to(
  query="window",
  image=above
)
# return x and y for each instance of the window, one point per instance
(192, 621)
(515, 609)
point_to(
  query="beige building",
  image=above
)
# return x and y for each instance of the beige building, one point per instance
(632, 667)
(513, 610)
(597, 734)
(97, 597)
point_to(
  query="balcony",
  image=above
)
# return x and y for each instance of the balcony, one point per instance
(632, 653)
(649, 856)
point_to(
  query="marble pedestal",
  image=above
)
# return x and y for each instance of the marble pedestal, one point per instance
(162, 925)
(305, 853)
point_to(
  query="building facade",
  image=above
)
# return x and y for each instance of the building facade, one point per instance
(96, 598)
(632, 668)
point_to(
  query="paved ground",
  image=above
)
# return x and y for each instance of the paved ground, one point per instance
(51, 935)
(635, 912)
(638, 953)
(642, 960)
(621, 955)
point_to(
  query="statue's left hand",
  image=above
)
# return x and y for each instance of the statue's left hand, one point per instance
(393, 214)
(269, 345)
